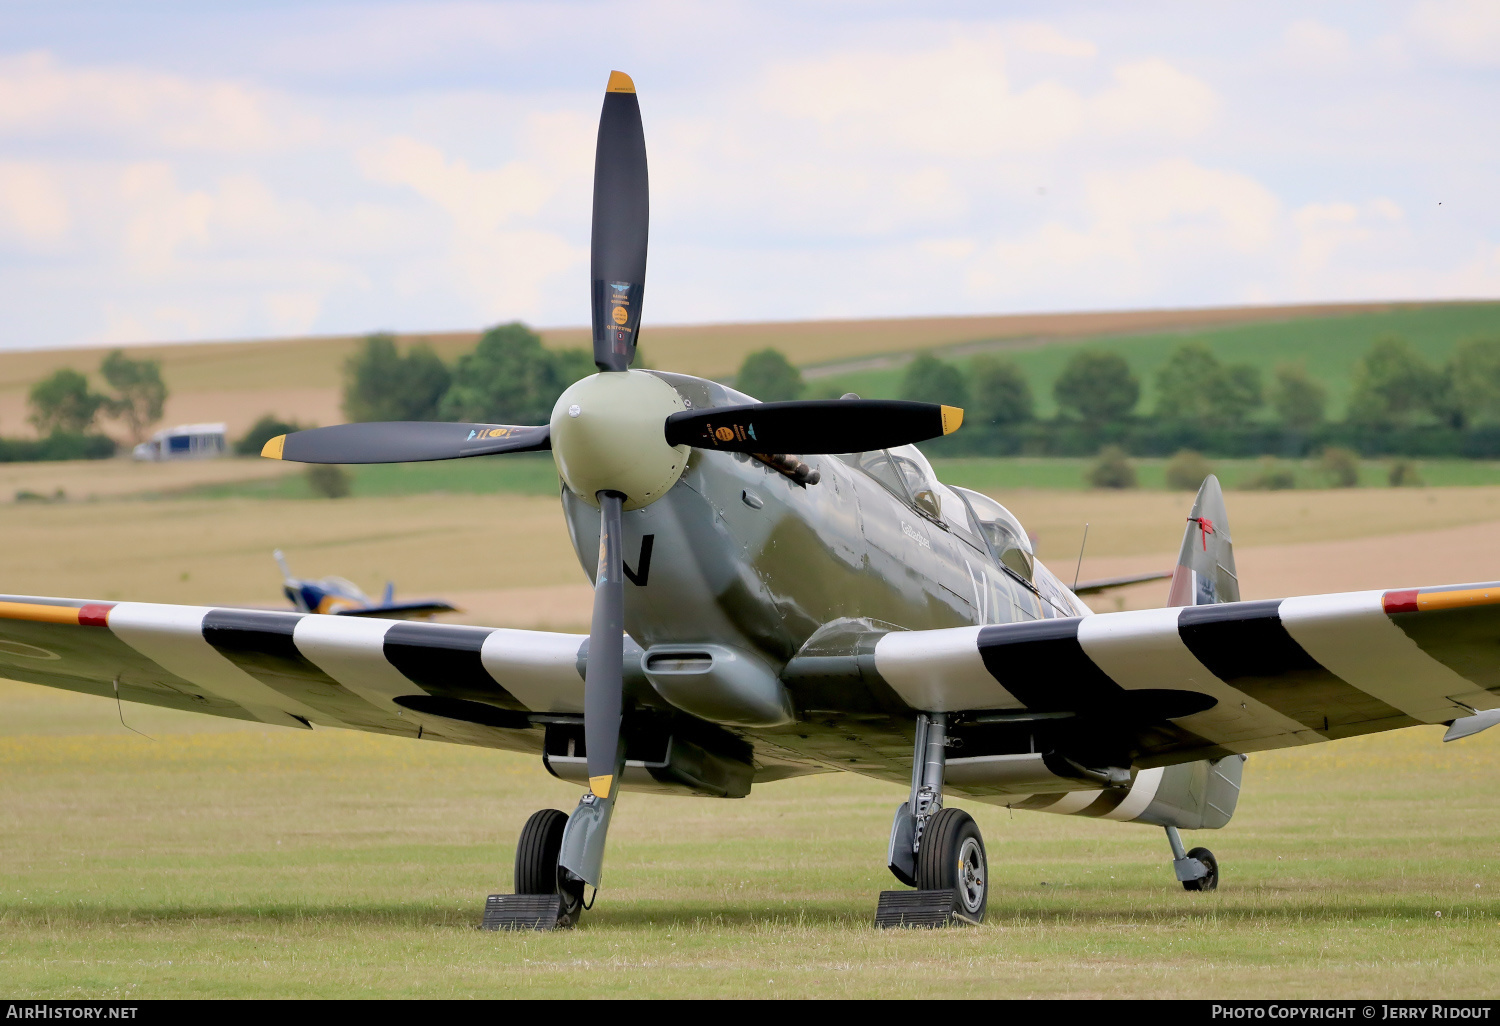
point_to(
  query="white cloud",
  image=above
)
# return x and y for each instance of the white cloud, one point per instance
(1138, 230)
(1038, 37)
(1463, 30)
(32, 206)
(479, 199)
(41, 96)
(1154, 97)
(1314, 46)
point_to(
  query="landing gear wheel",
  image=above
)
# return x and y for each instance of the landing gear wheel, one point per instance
(1203, 883)
(952, 858)
(537, 871)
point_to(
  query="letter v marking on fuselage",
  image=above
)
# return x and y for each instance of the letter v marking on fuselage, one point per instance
(638, 578)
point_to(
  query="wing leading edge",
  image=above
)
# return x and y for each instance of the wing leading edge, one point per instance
(1203, 682)
(471, 685)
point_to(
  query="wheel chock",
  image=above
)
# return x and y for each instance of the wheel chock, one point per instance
(521, 912)
(917, 909)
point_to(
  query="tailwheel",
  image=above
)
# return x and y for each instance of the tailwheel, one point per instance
(537, 871)
(952, 858)
(1211, 880)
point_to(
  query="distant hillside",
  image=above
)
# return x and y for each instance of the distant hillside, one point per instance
(300, 378)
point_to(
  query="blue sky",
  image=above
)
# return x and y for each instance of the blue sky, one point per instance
(174, 171)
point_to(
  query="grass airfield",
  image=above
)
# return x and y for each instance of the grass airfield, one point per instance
(228, 859)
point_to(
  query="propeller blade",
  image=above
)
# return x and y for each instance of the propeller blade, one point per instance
(621, 217)
(813, 426)
(404, 441)
(604, 680)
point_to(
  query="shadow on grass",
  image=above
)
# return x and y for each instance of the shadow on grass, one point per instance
(1186, 911)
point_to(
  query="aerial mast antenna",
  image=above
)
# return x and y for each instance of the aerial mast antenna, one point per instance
(1081, 547)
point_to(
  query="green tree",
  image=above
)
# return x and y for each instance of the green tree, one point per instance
(1001, 394)
(329, 480)
(1394, 386)
(1186, 471)
(140, 392)
(381, 384)
(1271, 475)
(769, 377)
(1098, 387)
(930, 380)
(1298, 400)
(1340, 467)
(1194, 387)
(63, 403)
(510, 378)
(1112, 469)
(1240, 394)
(1474, 370)
(1187, 383)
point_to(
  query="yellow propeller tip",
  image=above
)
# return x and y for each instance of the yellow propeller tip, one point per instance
(619, 82)
(953, 419)
(272, 449)
(600, 785)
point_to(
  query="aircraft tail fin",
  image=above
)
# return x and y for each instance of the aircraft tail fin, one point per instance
(286, 571)
(390, 593)
(1205, 571)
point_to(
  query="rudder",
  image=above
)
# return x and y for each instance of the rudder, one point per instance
(1205, 571)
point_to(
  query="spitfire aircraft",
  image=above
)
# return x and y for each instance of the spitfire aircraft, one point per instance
(343, 597)
(784, 589)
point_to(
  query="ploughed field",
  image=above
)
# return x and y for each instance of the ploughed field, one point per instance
(226, 859)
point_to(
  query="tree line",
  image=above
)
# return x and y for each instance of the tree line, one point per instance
(1399, 403)
(65, 410)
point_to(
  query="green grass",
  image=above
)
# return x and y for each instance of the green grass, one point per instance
(1329, 346)
(257, 863)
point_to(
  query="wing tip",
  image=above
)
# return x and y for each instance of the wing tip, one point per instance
(272, 449)
(953, 418)
(619, 82)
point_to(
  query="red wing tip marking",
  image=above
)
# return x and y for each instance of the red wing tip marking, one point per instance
(90, 614)
(95, 614)
(1420, 600)
(1401, 601)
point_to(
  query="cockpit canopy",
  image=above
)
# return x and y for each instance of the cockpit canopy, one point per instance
(905, 472)
(1006, 538)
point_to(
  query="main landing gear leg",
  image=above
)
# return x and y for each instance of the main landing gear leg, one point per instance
(939, 851)
(1197, 869)
(547, 895)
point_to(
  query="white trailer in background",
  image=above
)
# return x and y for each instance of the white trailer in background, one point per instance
(184, 442)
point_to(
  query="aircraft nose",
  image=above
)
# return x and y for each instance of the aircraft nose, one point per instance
(609, 434)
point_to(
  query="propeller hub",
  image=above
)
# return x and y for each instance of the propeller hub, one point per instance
(608, 434)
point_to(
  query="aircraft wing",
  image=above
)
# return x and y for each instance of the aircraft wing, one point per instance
(1202, 682)
(473, 685)
(400, 610)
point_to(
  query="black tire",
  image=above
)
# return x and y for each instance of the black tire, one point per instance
(537, 871)
(1204, 883)
(952, 858)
